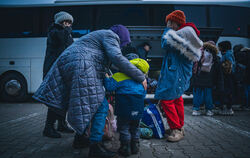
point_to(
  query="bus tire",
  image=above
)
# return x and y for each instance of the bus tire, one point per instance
(13, 87)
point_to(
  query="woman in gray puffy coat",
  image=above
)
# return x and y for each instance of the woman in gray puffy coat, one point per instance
(75, 82)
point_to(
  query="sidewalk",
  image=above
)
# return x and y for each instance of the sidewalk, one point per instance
(208, 137)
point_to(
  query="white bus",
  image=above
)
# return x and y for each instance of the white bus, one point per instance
(24, 25)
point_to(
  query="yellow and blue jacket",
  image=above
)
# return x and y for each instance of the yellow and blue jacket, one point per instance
(123, 84)
(129, 94)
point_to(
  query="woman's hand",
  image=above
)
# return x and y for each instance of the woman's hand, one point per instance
(144, 83)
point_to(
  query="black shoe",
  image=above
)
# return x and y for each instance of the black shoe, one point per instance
(135, 146)
(124, 149)
(80, 141)
(49, 131)
(98, 150)
(63, 127)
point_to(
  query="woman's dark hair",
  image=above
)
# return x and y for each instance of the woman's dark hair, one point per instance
(146, 44)
(128, 49)
(225, 45)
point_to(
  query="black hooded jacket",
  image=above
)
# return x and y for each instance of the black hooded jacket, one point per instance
(59, 38)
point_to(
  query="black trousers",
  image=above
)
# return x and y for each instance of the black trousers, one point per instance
(52, 116)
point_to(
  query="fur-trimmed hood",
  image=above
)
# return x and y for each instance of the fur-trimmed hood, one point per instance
(186, 41)
(212, 48)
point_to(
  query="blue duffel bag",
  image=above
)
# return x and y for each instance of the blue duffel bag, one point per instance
(152, 118)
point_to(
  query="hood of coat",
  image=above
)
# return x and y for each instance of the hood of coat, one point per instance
(191, 25)
(186, 41)
(141, 64)
(210, 47)
(123, 34)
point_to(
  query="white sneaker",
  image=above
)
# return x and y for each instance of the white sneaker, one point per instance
(196, 113)
(223, 111)
(230, 112)
(209, 113)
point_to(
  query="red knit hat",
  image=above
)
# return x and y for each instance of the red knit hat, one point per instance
(177, 16)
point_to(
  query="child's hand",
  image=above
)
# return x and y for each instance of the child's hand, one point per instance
(107, 75)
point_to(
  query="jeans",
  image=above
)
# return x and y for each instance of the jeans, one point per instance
(128, 129)
(98, 122)
(202, 96)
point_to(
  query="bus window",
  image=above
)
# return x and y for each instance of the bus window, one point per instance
(17, 22)
(234, 20)
(107, 16)
(160, 13)
(195, 14)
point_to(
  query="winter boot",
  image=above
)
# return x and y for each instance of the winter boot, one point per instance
(135, 146)
(175, 136)
(63, 126)
(125, 149)
(98, 150)
(49, 131)
(80, 141)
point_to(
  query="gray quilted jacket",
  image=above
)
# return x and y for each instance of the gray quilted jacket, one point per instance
(75, 81)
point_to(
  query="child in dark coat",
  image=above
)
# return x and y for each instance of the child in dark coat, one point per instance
(129, 105)
(228, 67)
(209, 76)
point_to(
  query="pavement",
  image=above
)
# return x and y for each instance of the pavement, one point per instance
(21, 128)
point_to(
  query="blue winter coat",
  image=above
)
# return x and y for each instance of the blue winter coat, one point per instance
(176, 69)
(129, 98)
(75, 81)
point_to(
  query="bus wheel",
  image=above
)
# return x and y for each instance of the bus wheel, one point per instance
(13, 87)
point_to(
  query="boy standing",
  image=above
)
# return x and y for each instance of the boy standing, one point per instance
(182, 49)
(129, 99)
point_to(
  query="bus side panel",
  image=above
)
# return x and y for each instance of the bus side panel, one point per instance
(36, 73)
(236, 40)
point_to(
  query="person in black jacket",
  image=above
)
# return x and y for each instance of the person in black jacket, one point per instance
(240, 70)
(209, 76)
(247, 77)
(59, 38)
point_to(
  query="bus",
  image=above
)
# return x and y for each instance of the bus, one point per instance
(23, 31)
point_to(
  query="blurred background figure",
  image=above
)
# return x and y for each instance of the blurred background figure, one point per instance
(143, 50)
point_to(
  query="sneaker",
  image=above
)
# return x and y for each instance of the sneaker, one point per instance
(196, 113)
(245, 108)
(222, 111)
(175, 136)
(209, 113)
(230, 112)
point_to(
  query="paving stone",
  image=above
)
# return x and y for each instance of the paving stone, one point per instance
(159, 149)
(204, 139)
(146, 153)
